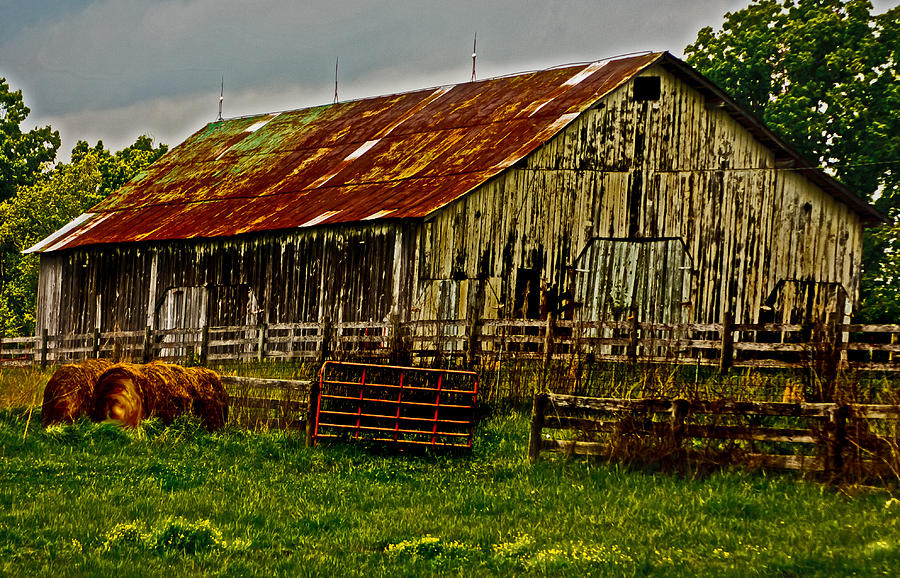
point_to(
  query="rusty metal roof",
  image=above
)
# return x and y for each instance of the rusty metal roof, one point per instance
(390, 157)
(399, 156)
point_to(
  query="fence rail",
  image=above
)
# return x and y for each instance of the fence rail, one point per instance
(858, 346)
(837, 439)
(268, 403)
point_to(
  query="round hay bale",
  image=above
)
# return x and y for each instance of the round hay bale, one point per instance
(69, 392)
(119, 395)
(210, 398)
(128, 393)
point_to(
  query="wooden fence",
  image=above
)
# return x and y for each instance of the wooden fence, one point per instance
(462, 342)
(267, 403)
(839, 440)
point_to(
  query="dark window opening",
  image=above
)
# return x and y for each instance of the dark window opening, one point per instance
(527, 304)
(647, 88)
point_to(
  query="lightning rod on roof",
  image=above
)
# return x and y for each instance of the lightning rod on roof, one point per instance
(474, 54)
(336, 79)
(221, 97)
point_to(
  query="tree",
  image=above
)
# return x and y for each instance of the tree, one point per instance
(23, 155)
(825, 76)
(118, 168)
(34, 213)
(39, 209)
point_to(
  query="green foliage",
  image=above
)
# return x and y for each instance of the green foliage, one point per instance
(823, 74)
(118, 168)
(881, 278)
(124, 536)
(23, 155)
(178, 534)
(33, 213)
(173, 534)
(52, 201)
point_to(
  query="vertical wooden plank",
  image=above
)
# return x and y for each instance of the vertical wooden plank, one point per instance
(548, 336)
(837, 441)
(633, 335)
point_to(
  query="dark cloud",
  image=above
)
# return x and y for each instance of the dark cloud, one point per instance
(82, 62)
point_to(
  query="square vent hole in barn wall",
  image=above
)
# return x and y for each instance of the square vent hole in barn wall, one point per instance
(647, 88)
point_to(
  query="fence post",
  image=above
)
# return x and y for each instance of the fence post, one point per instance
(261, 345)
(147, 354)
(95, 345)
(311, 409)
(832, 347)
(631, 351)
(472, 342)
(548, 339)
(44, 340)
(325, 344)
(315, 386)
(538, 408)
(204, 344)
(398, 354)
(837, 440)
(676, 421)
(727, 338)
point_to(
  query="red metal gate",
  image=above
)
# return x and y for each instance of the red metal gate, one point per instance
(404, 405)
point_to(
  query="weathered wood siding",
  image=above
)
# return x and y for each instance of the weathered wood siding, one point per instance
(676, 167)
(635, 173)
(356, 273)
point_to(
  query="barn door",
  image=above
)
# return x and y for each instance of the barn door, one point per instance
(650, 278)
(180, 308)
(646, 280)
(192, 307)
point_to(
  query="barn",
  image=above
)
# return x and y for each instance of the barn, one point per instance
(631, 187)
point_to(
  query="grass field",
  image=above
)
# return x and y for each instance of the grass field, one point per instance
(92, 499)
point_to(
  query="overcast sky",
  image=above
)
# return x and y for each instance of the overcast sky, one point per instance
(116, 69)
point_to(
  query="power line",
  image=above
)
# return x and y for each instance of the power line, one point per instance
(709, 170)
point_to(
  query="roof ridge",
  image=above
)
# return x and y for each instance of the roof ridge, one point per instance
(440, 86)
